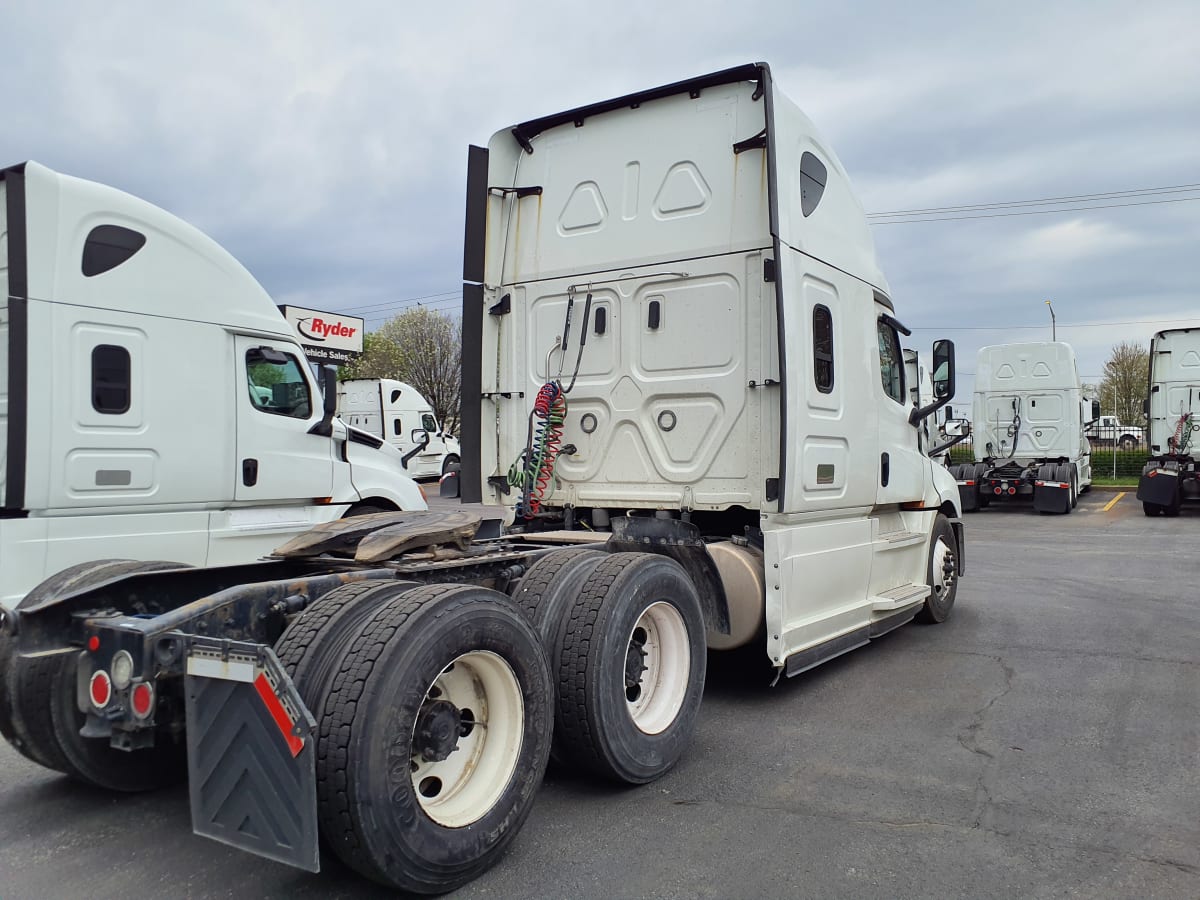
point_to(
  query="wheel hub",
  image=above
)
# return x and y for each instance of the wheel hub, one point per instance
(439, 726)
(635, 664)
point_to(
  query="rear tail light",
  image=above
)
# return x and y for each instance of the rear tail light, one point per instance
(141, 699)
(1012, 491)
(998, 491)
(100, 689)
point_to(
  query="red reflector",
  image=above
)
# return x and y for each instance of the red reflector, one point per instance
(100, 689)
(969, 482)
(94, 643)
(278, 713)
(142, 699)
(1152, 473)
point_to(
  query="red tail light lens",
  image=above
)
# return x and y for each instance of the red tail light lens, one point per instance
(141, 698)
(100, 689)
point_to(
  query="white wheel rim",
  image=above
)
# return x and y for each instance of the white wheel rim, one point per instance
(941, 579)
(463, 787)
(657, 696)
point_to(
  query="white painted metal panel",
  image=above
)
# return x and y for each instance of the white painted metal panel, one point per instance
(1175, 387)
(1038, 383)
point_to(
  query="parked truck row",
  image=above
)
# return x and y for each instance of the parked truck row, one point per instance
(683, 376)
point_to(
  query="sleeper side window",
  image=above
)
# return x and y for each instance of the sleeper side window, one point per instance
(891, 361)
(397, 427)
(823, 348)
(276, 383)
(111, 371)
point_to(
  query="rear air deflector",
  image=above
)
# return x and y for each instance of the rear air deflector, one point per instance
(251, 749)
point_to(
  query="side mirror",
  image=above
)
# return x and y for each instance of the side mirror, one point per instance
(943, 381)
(1095, 410)
(328, 377)
(957, 428)
(943, 369)
(420, 437)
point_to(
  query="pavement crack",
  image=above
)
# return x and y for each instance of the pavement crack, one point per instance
(970, 740)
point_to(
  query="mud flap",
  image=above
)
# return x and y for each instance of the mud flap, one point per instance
(251, 751)
(1159, 486)
(1052, 496)
(968, 496)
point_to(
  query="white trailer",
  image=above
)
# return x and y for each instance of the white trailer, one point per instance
(1028, 422)
(153, 403)
(1173, 408)
(397, 413)
(683, 374)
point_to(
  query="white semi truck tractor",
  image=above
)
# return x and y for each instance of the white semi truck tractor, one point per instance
(683, 377)
(153, 402)
(1173, 409)
(1027, 427)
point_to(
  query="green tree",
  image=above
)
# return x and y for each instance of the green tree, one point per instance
(381, 358)
(1124, 386)
(423, 348)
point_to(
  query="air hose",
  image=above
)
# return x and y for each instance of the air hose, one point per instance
(533, 471)
(1182, 439)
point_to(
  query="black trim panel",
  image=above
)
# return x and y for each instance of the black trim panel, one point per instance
(362, 437)
(18, 338)
(526, 131)
(814, 656)
(471, 395)
(476, 219)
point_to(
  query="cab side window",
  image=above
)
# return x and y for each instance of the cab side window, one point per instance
(276, 383)
(891, 361)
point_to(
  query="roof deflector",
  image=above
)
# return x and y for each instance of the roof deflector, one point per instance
(527, 131)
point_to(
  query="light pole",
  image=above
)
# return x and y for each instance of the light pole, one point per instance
(1053, 324)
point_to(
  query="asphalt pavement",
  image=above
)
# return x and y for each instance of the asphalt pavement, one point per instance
(1044, 742)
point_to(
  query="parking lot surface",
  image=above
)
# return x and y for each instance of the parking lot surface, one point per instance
(1043, 742)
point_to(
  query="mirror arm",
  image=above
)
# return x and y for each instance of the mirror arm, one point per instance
(919, 413)
(942, 448)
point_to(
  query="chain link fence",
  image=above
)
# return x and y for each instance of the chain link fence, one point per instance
(1123, 463)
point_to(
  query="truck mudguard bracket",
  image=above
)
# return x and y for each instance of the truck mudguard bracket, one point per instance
(682, 542)
(251, 748)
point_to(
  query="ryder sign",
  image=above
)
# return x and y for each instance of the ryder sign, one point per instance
(326, 337)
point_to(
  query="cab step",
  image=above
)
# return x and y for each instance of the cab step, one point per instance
(899, 597)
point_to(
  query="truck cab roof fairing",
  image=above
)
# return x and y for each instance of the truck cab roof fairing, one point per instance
(207, 283)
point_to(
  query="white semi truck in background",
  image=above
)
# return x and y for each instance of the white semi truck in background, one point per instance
(153, 402)
(1028, 420)
(1173, 409)
(683, 374)
(397, 413)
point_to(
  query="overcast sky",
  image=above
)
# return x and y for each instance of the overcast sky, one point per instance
(324, 144)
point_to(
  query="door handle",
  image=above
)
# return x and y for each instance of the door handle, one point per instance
(249, 472)
(885, 469)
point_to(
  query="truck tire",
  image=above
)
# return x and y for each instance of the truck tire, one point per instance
(1171, 510)
(548, 591)
(1128, 442)
(1063, 473)
(434, 738)
(1074, 485)
(942, 572)
(631, 669)
(450, 463)
(26, 692)
(47, 708)
(1151, 509)
(312, 646)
